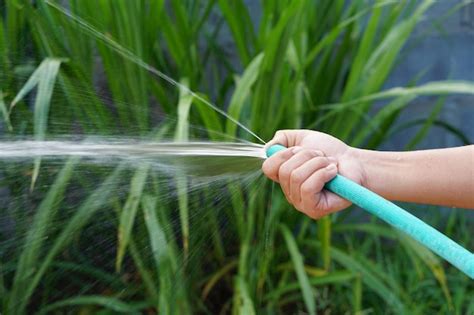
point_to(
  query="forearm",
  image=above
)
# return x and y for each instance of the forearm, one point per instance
(441, 177)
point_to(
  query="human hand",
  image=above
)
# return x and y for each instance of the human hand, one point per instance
(311, 160)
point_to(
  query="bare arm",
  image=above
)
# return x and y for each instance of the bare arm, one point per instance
(440, 177)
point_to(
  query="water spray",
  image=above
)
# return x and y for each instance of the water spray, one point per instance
(397, 217)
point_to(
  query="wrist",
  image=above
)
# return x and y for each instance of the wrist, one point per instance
(377, 168)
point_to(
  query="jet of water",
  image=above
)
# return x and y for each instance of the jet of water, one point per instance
(128, 149)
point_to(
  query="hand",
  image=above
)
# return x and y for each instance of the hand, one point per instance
(311, 160)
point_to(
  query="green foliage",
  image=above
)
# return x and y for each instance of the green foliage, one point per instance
(309, 64)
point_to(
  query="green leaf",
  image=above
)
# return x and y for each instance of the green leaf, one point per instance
(297, 258)
(43, 79)
(4, 112)
(330, 278)
(236, 15)
(431, 88)
(129, 212)
(242, 92)
(244, 305)
(377, 122)
(211, 119)
(156, 235)
(324, 235)
(182, 135)
(421, 134)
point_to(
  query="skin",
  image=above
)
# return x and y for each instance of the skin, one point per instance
(440, 177)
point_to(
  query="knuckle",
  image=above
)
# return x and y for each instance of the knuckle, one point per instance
(296, 177)
(321, 160)
(319, 153)
(310, 154)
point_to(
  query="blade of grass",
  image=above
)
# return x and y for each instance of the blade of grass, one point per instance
(296, 257)
(324, 235)
(244, 304)
(149, 282)
(43, 79)
(4, 112)
(239, 25)
(431, 88)
(3, 53)
(421, 134)
(129, 212)
(330, 278)
(210, 118)
(182, 135)
(216, 277)
(242, 92)
(365, 48)
(157, 237)
(377, 122)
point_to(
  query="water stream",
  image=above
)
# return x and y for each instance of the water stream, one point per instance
(192, 158)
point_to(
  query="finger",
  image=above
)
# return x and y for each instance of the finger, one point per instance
(311, 197)
(272, 165)
(284, 173)
(302, 173)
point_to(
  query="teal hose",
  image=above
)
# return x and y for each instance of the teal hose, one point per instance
(400, 219)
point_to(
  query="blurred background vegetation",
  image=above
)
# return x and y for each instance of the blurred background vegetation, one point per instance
(112, 239)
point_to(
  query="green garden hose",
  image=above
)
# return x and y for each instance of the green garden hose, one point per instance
(400, 219)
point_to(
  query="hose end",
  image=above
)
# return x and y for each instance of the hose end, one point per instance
(274, 149)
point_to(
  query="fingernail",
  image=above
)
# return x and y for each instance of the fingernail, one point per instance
(297, 149)
(331, 167)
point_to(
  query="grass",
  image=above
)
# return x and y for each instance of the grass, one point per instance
(132, 240)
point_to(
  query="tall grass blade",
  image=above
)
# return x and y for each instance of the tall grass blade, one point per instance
(4, 112)
(157, 237)
(298, 263)
(324, 234)
(242, 93)
(431, 88)
(244, 305)
(421, 134)
(43, 79)
(129, 212)
(182, 135)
